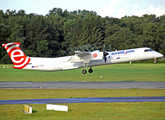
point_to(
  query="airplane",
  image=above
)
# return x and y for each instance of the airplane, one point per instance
(79, 60)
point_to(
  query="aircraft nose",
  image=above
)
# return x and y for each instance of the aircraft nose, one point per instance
(157, 55)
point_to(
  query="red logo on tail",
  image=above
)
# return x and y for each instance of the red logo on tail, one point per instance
(18, 57)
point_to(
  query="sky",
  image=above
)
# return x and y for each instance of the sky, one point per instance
(111, 8)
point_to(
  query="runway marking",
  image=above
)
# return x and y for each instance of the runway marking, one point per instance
(85, 100)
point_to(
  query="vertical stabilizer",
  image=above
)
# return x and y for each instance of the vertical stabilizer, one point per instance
(18, 57)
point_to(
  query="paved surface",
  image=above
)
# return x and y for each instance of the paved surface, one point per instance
(84, 100)
(82, 85)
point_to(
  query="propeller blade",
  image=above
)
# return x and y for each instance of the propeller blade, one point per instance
(104, 48)
(105, 59)
(104, 54)
(109, 48)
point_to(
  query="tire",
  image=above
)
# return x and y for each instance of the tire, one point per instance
(84, 71)
(155, 61)
(90, 71)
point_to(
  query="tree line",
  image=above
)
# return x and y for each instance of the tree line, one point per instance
(54, 34)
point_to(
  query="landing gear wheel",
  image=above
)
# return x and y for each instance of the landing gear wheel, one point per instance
(155, 61)
(84, 71)
(90, 70)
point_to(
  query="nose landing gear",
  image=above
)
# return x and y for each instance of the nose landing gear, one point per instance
(155, 61)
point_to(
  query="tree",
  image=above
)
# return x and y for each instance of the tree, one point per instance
(58, 11)
(92, 32)
(52, 35)
(38, 32)
(4, 34)
(153, 35)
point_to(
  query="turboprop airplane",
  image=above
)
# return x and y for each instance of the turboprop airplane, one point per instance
(79, 60)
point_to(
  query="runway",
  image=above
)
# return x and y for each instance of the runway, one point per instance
(85, 100)
(82, 85)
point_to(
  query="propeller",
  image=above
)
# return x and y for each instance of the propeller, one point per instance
(109, 48)
(104, 54)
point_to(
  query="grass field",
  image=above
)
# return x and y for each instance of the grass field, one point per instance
(8, 94)
(136, 72)
(139, 72)
(88, 111)
(84, 111)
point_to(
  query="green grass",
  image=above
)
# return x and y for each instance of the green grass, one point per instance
(84, 111)
(88, 111)
(136, 72)
(7, 94)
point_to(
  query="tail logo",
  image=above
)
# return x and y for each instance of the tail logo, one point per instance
(18, 57)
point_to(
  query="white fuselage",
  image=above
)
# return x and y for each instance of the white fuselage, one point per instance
(63, 63)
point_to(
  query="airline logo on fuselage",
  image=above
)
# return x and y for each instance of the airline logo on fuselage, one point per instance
(122, 52)
(94, 55)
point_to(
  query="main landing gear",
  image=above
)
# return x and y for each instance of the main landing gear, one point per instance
(85, 65)
(90, 71)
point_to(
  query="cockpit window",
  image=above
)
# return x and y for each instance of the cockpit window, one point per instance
(148, 50)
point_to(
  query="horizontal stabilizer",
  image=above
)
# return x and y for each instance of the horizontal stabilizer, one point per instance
(10, 44)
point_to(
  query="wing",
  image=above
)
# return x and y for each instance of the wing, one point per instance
(86, 57)
(82, 54)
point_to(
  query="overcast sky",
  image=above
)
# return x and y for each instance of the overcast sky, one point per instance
(111, 8)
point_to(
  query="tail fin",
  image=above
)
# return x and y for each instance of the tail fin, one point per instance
(18, 57)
